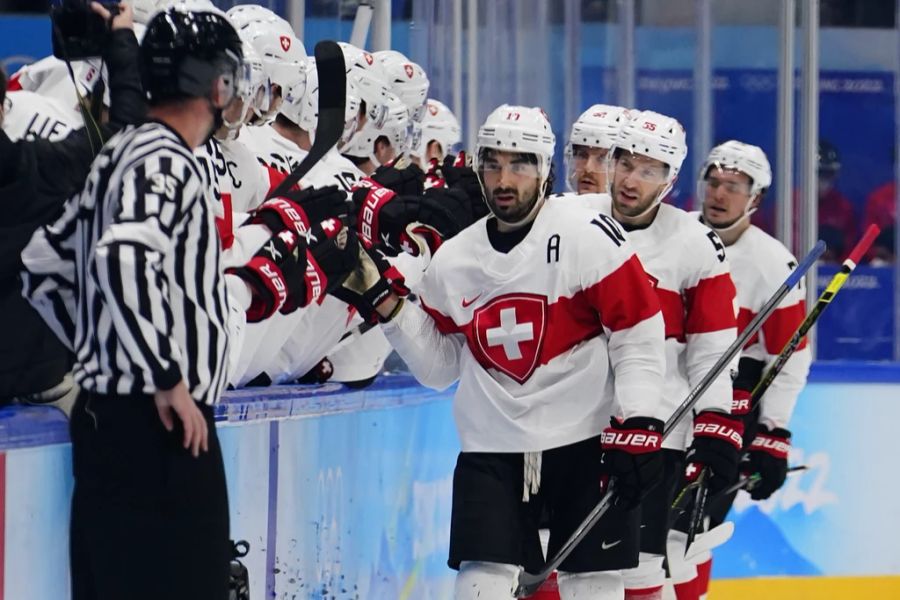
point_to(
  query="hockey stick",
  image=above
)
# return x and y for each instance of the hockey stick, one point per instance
(530, 582)
(699, 509)
(821, 304)
(332, 101)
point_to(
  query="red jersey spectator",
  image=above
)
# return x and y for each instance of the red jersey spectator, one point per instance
(881, 210)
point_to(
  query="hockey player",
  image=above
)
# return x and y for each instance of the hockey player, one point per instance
(530, 309)
(734, 178)
(687, 268)
(591, 137)
(438, 135)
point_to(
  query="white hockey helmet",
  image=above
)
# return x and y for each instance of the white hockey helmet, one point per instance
(253, 88)
(656, 136)
(439, 125)
(395, 128)
(304, 110)
(407, 80)
(242, 14)
(597, 127)
(144, 10)
(368, 79)
(283, 55)
(744, 158)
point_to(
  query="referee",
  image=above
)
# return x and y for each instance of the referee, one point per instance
(130, 279)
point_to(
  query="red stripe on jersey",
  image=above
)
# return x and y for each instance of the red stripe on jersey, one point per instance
(225, 224)
(13, 84)
(624, 298)
(781, 325)
(672, 306)
(444, 323)
(709, 305)
(745, 315)
(276, 177)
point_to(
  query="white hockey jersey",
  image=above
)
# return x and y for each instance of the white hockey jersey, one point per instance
(688, 270)
(27, 115)
(759, 265)
(535, 336)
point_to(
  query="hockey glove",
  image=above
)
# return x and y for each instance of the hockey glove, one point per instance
(365, 288)
(768, 456)
(331, 256)
(401, 223)
(717, 444)
(631, 454)
(297, 210)
(275, 273)
(433, 177)
(459, 175)
(409, 181)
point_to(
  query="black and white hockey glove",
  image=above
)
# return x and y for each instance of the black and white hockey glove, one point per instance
(768, 456)
(365, 288)
(331, 255)
(631, 454)
(459, 175)
(717, 445)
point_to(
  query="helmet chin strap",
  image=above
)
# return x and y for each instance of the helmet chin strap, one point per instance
(748, 211)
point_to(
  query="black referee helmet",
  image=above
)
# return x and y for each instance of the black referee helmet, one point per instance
(184, 52)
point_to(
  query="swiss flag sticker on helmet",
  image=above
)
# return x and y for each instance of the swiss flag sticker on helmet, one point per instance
(285, 42)
(370, 60)
(509, 331)
(433, 109)
(409, 70)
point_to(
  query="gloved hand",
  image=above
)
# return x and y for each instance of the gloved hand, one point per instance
(274, 273)
(409, 181)
(401, 223)
(717, 444)
(365, 288)
(331, 255)
(768, 456)
(459, 175)
(297, 210)
(631, 454)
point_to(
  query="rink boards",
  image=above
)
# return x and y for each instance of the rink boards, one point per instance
(346, 494)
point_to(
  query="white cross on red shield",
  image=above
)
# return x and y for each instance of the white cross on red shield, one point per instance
(285, 43)
(510, 331)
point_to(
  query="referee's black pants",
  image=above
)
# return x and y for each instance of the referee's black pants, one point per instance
(149, 521)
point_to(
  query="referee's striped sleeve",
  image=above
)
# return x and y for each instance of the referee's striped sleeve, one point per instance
(48, 276)
(129, 263)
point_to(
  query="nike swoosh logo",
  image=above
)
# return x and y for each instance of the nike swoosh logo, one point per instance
(605, 546)
(468, 303)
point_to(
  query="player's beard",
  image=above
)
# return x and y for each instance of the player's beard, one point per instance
(633, 209)
(514, 211)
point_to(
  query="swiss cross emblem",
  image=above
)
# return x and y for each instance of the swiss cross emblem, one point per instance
(409, 70)
(433, 109)
(510, 332)
(370, 60)
(285, 43)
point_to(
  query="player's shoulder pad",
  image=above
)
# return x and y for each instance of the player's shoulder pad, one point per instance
(764, 253)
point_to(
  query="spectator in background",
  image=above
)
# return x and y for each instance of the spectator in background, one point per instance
(837, 219)
(881, 210)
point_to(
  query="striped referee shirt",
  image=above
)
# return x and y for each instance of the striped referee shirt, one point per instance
(129, 277)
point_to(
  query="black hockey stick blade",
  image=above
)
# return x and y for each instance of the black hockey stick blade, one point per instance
(332, 99)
